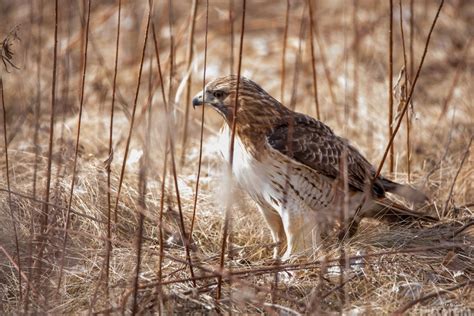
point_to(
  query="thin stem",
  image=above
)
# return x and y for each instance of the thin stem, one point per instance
(37, 112)
(173, 161)
(37, 266)
(132, 120)
(404, 94)
(231, 23)
(38, 96)
(201, 138)
(390, 86)
(171, 58)
(111, 153)
(313, 60)
(187, 101)
(17, 246)
(412, 38)
(412, 89)
(231, 150)
(283, 55)
(355, 74)
(76, 148)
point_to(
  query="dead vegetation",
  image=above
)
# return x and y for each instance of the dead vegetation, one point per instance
(118, 258)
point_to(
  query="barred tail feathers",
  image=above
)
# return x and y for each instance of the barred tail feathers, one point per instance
(393, 212)
(407, 192)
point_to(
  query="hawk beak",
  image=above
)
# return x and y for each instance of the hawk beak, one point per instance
(197, 100)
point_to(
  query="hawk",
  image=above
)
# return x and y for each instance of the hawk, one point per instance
(299, 173)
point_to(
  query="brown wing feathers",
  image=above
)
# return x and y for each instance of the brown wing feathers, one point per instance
(315, 145)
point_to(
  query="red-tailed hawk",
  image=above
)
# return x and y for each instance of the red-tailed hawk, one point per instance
(291, 166)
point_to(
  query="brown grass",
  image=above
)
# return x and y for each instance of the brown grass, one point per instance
(420, 269)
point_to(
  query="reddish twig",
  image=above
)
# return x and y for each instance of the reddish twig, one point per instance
(187, 100)
(171, 52)
(201, 136)
(283, 55)
(110, 151)
(313, 61)
(36, 145)
(173, 161)
(412, 89)
(76, 148)
(17, 246)
(143, 176)
(404, 94)
(132, 120)
(355, 90)
(390, 86)
(231, 23)
(231, 149)
(38, 98)
(37, 265)
(163, 177)
(412, 38)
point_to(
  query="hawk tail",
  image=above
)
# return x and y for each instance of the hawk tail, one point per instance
(392, 212)
(386, 210)
(407, 192)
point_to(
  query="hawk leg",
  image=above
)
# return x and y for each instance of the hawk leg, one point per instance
(276, 228)
(302, 234)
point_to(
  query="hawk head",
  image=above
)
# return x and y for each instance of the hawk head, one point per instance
(255, 105)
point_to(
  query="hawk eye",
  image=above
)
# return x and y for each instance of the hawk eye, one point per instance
(218, 94)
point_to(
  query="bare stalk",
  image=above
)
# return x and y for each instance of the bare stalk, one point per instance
(38, 95)
(187, 100)
(142, 182)
(36, 145)
(196, 189)
(231, 23)
(412, 38)
(412, 89)
(404, 92)
(171, 60)
(313, 60)
(231, 151)
(132, 120)
(390, 86)
(355, 74)
(17, 246)
(163, 179)
(111, 153)
(76, 148)
(283, 55)
(44, 216)
(173, 161)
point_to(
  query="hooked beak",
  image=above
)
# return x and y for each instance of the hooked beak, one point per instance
(198, 100)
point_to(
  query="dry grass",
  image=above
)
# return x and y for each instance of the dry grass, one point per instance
(424, 269)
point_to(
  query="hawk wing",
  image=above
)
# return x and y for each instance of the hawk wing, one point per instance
(314, 144)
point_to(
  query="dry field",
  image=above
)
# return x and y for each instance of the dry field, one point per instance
(92, 217)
